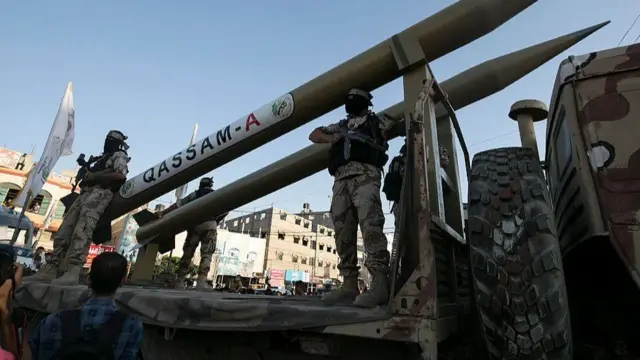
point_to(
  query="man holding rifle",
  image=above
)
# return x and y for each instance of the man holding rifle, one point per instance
(357, 156)
(99, 183)
(204, 234)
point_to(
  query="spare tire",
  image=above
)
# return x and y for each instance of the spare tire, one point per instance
(516, 261)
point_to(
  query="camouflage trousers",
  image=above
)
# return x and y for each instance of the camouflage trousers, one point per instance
(207, 242)
(73, 239)
(356, 201)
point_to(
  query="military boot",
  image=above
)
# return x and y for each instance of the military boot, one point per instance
(202, 284)
(377, 294)
(70, 277)
(345, 293)
(46, 274)
(178, 283)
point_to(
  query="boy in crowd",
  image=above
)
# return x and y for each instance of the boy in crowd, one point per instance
(97, 328)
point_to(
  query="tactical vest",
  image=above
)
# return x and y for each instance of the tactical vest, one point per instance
(359, 151)
(207, 225)
(101, 165)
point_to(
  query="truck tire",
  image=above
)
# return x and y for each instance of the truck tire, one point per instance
(517, 269)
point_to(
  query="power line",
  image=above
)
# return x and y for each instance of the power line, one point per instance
(629, 29)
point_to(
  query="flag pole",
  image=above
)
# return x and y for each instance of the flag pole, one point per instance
(16, 232)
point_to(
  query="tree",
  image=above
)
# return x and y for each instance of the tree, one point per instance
(170, 266)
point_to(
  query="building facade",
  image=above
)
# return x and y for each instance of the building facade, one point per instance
(294, 243)
(14, 170)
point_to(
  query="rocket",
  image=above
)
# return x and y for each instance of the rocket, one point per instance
(447, 30)
(463, 89)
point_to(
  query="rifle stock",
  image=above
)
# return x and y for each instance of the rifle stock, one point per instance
(69, 199)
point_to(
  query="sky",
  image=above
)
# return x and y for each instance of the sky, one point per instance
(152, 69)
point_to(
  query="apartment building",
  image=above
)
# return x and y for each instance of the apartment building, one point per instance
(293, 242)
(14, 170)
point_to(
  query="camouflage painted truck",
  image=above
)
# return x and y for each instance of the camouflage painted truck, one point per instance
(432, 312)
(544, 247)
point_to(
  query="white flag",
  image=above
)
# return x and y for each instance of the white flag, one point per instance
(52, 212)
(182, 190)
(58, 144)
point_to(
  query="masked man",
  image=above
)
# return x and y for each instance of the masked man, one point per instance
(72, 241)
(357, 155)
(204, 234)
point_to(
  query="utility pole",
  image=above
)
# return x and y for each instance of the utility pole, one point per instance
(315, 257)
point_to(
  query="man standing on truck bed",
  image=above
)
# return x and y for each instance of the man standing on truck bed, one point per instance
(74, 237)
(357, 155)
(204, 234)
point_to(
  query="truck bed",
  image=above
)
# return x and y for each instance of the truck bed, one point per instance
(189, 309)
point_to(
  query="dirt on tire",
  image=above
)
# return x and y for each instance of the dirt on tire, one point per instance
(516, 261)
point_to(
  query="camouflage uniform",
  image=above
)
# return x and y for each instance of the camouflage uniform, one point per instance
(205, 235)
(356, 201)
(73, 238)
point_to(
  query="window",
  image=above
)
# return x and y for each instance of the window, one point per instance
(262, 216)
(40, 204)
(298, 221)
(251, 256)
(306, 224)
(313, 244)
(320, 263)
(279, 255)
(312, 261)
(59, 211)
(334, 251)
(334, 267)
(296, 239)
(283, 216)
(304, 260)
(321, 247)
(9, 191)
(321, 230)
(280, 235)
(305, 241)
(263, 235)
(330, 233)
(294, 258)
(235, 223)
(234, 252)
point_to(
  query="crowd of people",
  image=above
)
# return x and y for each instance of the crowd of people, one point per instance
(94, 330)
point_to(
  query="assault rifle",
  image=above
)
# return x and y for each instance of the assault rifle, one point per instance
(350, 135)
(85, 167)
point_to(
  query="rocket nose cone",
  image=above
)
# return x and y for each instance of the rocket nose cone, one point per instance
(581, 34)
(494, 75)
(463, 22)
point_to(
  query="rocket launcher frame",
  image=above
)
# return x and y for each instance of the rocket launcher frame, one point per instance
(433, 37)
(483, 80)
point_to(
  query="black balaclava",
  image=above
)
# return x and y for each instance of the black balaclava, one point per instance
(111, 145)
(358, 102)
(206, 183)
(115, 141)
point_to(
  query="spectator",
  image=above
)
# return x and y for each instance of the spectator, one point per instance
(268, 290)
(96, 329)
(299, 288)
(39, 257)
(10, 277)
